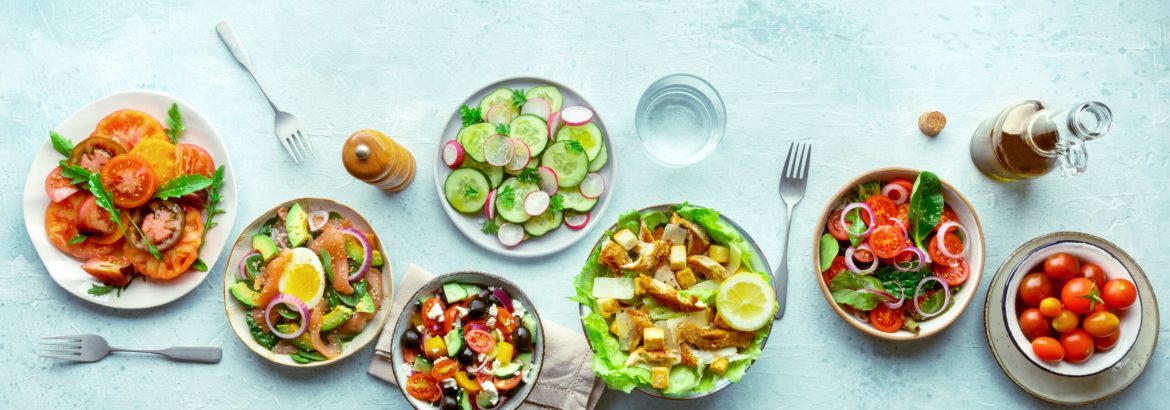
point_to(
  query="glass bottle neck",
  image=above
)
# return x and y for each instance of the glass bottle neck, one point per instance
(1062, 133)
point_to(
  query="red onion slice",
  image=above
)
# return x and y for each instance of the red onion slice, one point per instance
(922, 259)
(946, 297)
(857, 205)
(368, 253)
(901, 298)
(294, 303)
(317, 220)
(901, 190)
(853, 267)
(504, 298)
(941, 238)
(857, 314)
(242, 272)
(898, 222)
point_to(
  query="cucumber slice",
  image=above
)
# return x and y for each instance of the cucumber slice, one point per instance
(570, 165)
(502, 96)
(595, 164)
(466, 189)
(495, 174)
(532, 130)
(588, 135)
(574, 201)
(472, 137)
(543, 223)
(534, 164)
(548, 93)
(512, 210)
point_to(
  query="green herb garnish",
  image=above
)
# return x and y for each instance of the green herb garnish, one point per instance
(182, 185)
(503, 129)
(528, 175)
(78, 239)
(557, 202)
(213, 198)
(75, 173)
(507, 195)
(470, 115)
(518, 97)
(199, 265)
(489, 227)
(575, 146)
(174, 123)
(61, 144)
(149, 246)
(470, 192)
(98, 290)
(103, 196)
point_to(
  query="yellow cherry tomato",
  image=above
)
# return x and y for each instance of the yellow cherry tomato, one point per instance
(1051, 307)
(1065, 322)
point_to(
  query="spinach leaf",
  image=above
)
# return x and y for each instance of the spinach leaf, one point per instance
(854, 290)
(856, 226)
(891, 278)
(359, 290)
(266, 228)
(931, 302)
(829, 249)
(926, 206)
(266, 339)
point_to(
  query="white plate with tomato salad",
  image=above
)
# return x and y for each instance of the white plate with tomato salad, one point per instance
(141, 146)
(913, 263)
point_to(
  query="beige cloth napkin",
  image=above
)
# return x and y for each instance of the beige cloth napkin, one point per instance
(566, 378)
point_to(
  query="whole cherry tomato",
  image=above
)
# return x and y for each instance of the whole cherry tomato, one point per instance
(1101, 324)
(1080, 295)
(1065, 322)
(1051, 307)
(1048, 349)
(1095, 273)
(1062, 266)
(1107, 342)
(1119, 294)
(1034, 288)
(1033, 324)
(1078, 346)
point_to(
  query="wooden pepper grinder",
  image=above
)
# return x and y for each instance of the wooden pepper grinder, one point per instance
(377, 160)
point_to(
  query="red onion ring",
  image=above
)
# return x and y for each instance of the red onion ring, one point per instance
(942, 233)
(901, 190)
(292, 302)
(504, 298)
(242, 272)
(857, 314)
(901, 298)
(369, 254)
(946, 297)
(851, 207)
(853, 267)
(922, 259)
(317, 220)
(883, 294)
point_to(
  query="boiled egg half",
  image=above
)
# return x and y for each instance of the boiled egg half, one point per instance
(304, 277)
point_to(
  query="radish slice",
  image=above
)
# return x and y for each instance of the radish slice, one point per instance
(521, 155)
(499, 114)
(538, 107)
(489, 209)
(536, 203)
(592, 186)
(576, 115)
(548, 180)
(554, 124)
(453, 154)
(498, 150)
(510, 234)
(576, 222)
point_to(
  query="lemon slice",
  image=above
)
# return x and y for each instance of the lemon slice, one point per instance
(745, 301)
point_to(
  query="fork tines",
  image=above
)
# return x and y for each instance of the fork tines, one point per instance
(801, 154)
(60, 347)
(297, 145)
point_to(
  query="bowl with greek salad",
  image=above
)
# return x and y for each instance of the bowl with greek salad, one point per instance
(676, 301)
(308, 283)
(467, 340)
(898, 253)
(526, 162)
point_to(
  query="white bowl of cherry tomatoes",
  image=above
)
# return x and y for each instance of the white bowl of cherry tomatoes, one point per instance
(1074, 311)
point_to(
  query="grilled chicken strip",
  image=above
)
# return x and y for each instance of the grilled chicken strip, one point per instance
(713, 339)
(668, 296)
(650, 256)
(707, 266)
(613, 256)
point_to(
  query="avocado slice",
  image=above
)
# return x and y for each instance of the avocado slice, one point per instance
(377, 259)
(353, 250)
(244, 294)
(303, 341)
(335, 317)
(296, 225)
(454, 340)
(365, 304)
(454, 292)
(508, 370)
(265, 245)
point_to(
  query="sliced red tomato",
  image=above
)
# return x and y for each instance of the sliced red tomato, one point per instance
(886, 241)
(444, 368)
(886, 319)
(506, 384)
(948, 215)
(835, 269)
(883, 209)
(909, 185)
(128, 127)
(423, 386)
(953, 244)
(953, 275)
(835, 227)
(904, 214)
(93, 219)
(428, 306)
(109, 269)
(193, 159)
(863, 256)
(449, 319)
(94, 152)
(480, 341)
(505, 322)
(130, 180)
(178, 259)
(58, 187)
(61, 228)
(410, 355)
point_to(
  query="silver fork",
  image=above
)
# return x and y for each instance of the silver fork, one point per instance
(288, 127)
(91, 348)
(793, 180)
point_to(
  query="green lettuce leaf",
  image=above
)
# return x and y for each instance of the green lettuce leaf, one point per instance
(849, 288)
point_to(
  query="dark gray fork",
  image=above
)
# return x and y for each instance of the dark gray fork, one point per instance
(793, 180)
(91, 348)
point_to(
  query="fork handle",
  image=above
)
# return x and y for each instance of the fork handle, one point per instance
(782, 269)
(227, 34)
(200, 354)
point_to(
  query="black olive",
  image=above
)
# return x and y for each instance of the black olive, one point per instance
(523, 339)
(483, 294)
(411, 338)
(450, 402)
(466, 357)
(476, 309)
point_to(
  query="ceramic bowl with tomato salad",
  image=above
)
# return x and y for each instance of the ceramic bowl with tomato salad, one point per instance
(1089, 298)
(510, 312)
(895, 186)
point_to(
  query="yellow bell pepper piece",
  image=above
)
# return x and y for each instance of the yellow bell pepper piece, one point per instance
(435, 347)
(466, 383)
(504, 352)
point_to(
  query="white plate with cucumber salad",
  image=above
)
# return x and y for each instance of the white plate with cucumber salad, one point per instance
(526, 167)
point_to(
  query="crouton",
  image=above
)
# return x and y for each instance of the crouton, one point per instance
(608, 307)
(625, 238)
(678, 257)
(685, 278)
(653, 338)
(660, 378)
(707, 266)
(719, 366)
(717, 253)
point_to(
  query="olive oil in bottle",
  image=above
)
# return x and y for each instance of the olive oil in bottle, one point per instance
(1028, 140)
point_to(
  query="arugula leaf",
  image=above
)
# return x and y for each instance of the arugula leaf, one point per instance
(213, 198)
(518, 97)
(199, 265)
(489, 227)
(97, 290)
(470, 115)
(78, 239)
(75, 173)
(503, 129)
(557, 202)
(174, 123)
(359, 290)
(926, 206)
(182, 185)
(575, 146)
(149, 246)
(856, 290)
(507, 195)
(829, 249)
(528, 175)
(103, 197)
(63, 145)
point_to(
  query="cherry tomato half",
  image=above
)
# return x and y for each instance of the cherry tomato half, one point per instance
(835, 227)
(886, 319)
(904, 214)
(1119, 294)
(1033, 324)
(444, 368)
(1048, 349)
(1078, 346)
(130, 180)
(427, 307)
(1034, 288)
(886, 241)
(883, 209)
(506, 384)
(1080, 295)
(505, 321)
(954, 246)
(480, 341)
(423, 386)
(1062, 266)
(948, 215)
(953, 275)
(835, 269)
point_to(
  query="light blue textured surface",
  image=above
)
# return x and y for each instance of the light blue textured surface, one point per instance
(849, 77)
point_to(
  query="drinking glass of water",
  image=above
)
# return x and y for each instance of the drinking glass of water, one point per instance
(680, 120)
